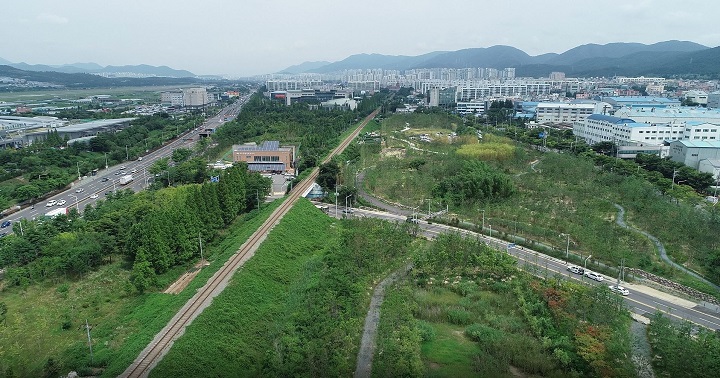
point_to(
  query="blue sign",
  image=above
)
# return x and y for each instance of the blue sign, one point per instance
(214, 178)
(542, 135)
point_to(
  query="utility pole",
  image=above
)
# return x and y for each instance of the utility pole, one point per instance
(78, 169)
(336, 199)
(127, 155)
(87, 327)
(429, 201)
(202, 258)
(482, 230)
(106, 164)
(257, 198)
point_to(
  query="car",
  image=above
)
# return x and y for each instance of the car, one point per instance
(61, 202)
(5, 224)
(412, 220)
(619, 289)
(348, 211)
(94, 195)
(108, 194)
(595, 276)
(117, 173)
(4, 234)
(123, 168)
(79, 190)
(576, 269)
(51, 203)
(105, 179)
(133, 170)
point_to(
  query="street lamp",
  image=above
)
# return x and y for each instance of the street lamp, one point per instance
(585, 267)
(567, 247)
(346, 198)
(127, 155)
(77, 207)
(489, 225)
(429, 201)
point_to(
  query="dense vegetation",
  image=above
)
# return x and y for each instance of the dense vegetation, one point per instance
(297, 308)
(682, 350)
(313, 132)
(467, 310)
(557, 194)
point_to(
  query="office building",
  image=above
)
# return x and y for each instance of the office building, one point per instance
(266, 157)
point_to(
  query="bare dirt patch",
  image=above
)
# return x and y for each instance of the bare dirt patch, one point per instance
(179, 285)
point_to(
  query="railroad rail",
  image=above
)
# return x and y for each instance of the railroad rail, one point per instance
(164, 340)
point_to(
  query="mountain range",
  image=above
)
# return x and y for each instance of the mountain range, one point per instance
(668, 58)
(94, 68)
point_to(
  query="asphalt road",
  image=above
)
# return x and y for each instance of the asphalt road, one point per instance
(642, 300)
(107, 180)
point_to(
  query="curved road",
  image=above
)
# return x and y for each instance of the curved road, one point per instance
(620, 220)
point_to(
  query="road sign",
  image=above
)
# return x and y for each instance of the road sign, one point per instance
(214, 178)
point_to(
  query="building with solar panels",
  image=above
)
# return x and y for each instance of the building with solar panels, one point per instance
(266, 157)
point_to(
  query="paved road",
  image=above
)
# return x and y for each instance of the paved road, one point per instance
(106, 181)
(643, 301)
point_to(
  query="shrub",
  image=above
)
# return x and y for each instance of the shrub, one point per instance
(426, 330)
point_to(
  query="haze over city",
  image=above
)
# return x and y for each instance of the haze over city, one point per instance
(257, 37)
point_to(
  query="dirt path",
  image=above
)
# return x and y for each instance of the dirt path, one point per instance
(620, 220)
(372, 319)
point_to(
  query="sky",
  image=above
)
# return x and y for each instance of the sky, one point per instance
(253, 37)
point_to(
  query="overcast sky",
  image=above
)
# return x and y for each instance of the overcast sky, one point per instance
(248, 37)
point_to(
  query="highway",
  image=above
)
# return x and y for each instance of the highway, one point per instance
(642, 300)
(106, 181)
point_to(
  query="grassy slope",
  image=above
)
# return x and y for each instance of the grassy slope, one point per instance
(231, 336)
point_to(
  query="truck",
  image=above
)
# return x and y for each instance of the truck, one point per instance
(56, 212)
(126, 179)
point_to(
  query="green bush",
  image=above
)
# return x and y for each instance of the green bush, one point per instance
(459, 316)
(427, 332)
(482, 333)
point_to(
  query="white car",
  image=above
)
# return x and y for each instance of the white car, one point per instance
(94, 195)
(51, 203)
(79, 190)
(575, 269)
(595, 276)
(619, 289)
(61, 202)
(133, 170)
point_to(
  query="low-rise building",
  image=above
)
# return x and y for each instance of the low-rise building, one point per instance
(266, 157)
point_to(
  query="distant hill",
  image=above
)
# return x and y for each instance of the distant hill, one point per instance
(369, 61)
(628, 59)
(304, 67)
(141, 69)
(618, 50)
(85, 80)
(495, 56)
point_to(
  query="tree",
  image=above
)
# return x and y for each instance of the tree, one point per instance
(328, 175)
(3, 313)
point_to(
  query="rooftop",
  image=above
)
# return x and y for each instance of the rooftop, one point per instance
(94, 124)
(698, 143)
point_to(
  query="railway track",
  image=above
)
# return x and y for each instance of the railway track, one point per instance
(163, 341)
